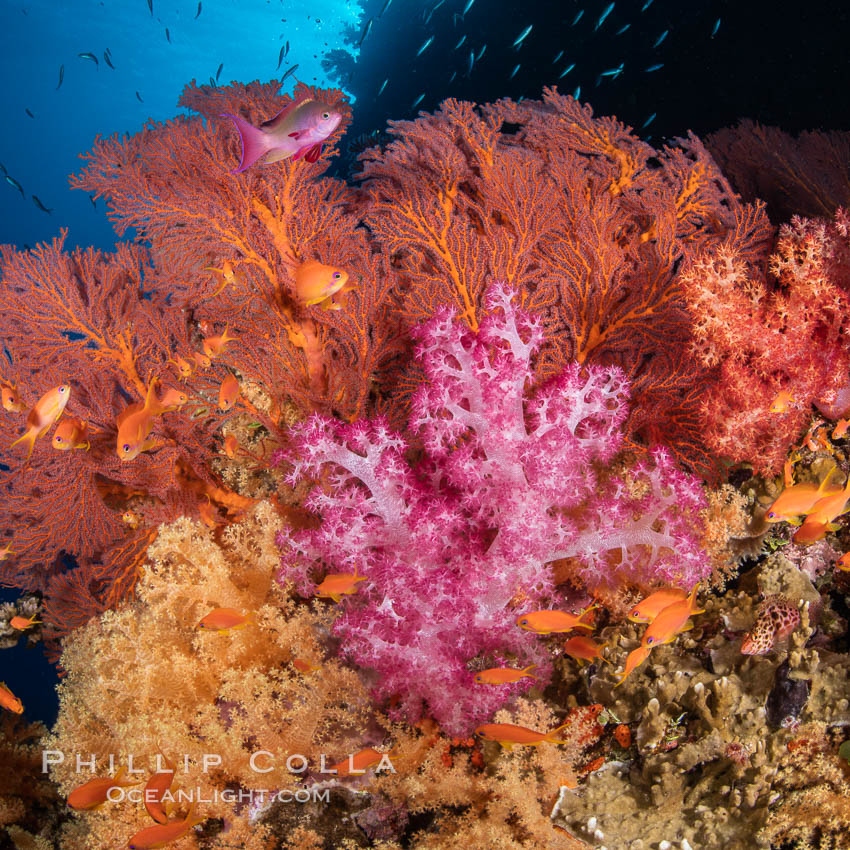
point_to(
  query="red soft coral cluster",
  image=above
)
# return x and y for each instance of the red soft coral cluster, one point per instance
(766, 330)
(456, 547)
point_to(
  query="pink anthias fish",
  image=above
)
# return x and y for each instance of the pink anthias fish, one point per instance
(296, 131)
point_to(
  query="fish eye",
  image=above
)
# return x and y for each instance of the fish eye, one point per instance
(61, 389)
(524, 621)
(336, 275)
(125, 447)
(326, 115)
(771, 515)
(650, 640)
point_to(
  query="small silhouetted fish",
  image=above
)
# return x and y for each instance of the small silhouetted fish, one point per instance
(366, 30)
(167, 35)
(462, 40)
(383, 86)
(290, 71)
(280, 58)
(425, 45)
(513, 73)
(150, 6)
(93, 203)
(417, 101)
(577, 18)
(522, 36)
(608, 9)
(386, 6)
(656, 67)
(61, 75)
(622, 29)
(660, 38)
(3, 168)
(108, 61)
(40, 205)
(577, 93)
(199, 10)
(646, 5)
(467, 7)
(452, 78)
(648, 121)
(716, 27)
(566, 71)
(12, 182)
(286, 52)
(471, 62)
(139, 97)
(212, 82)
(91, 57)
(218, 72)
(560, 54)
(480, 53)
(29, 113)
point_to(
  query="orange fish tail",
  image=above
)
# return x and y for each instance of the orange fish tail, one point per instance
(29, 436)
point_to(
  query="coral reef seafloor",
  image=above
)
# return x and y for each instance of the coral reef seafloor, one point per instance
(495, 501)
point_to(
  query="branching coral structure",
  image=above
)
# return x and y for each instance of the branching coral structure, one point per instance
(456, 547)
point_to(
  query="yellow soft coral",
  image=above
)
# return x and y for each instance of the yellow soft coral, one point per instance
(143, 678)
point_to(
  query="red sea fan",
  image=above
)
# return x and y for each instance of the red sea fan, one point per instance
(456, 547)
(225, 247)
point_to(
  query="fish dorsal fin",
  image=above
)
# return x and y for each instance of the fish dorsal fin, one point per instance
(287, 110)
(133, 408)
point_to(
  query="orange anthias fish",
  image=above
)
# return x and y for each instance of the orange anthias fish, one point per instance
(92, 794)
(228, 392)
(843, 563)
(165, 833)
(9, 701)
(214, 345)
(360, 761)
(172, 399)
(583, 648)
(782, 403)
(304, 667)
(822, 515)
(840, 429)
(46, 411)
(671, 621)
(634, 659)
(316, 283)
(71, 433)
(135, 425)
(5, 551)
(224, 619)
(648, 609)
(11, 400)
(201, 360)
(184, 367)
(298, 130)
(510, 736)
(155, 789)
(503, 675)
(546, 622)
(231, 445)
(21, 623)
(336, 585)
(799, 499)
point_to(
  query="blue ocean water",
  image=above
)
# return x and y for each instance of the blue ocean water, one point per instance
(662, 66)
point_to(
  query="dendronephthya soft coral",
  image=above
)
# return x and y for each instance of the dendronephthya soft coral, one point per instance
(511, 479)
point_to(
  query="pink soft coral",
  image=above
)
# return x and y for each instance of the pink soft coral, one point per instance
(457, 547)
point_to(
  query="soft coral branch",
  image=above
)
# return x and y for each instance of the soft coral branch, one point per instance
(455, 547)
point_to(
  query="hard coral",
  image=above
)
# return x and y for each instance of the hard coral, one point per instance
(457, 546)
